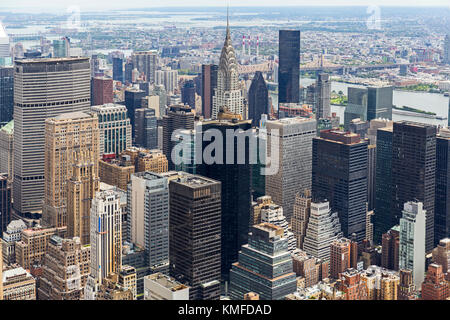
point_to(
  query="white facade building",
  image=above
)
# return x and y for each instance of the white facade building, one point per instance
(323, 228)
(159, 286)
(412, 241)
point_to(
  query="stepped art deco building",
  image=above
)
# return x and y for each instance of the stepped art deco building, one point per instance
(71, 139)
(44, 88)
(228, 92)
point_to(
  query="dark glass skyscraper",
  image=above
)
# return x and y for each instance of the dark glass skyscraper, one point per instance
(414, 170)
(442, 196)
(178, 117)
(383, 220)
(368, 104)
(146, 128)
(289, 66)
(6, 95)
(195, 235)
(5, 201)
(117, 69)
(188, 93)
(258, 99)
(339, 175)
(209, 83)
(133, 101)
(236, 188)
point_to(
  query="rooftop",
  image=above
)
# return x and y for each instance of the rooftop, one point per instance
(72, 116)
(167, 282)
(51, 60)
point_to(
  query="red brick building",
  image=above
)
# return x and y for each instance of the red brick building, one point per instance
(434, 286)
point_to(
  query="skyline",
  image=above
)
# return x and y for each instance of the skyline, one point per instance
(53, 6)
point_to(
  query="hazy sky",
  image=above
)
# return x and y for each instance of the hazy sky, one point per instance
(62, 5)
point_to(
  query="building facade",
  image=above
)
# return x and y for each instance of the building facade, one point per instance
(289, 144)
(114, 127)
(264, 265)
(66, 83)
(195, 231)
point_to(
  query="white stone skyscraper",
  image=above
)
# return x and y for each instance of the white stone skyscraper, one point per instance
(412, 241)
(291, 153)
(228, 92)
(106, 234)
(323, 228)
(273, 213)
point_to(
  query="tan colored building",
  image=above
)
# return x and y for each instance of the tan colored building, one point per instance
(65, 269)
(381, 284)
(441, 255)
(110, 289)
(310, 268)
(69, 138)
(127, 279)
(33, 245)
(251, 296)
(115, 173)
(6, 149)
(18, 284)
(82, 187)
(154, 161)
(300, 216)
(256, 208)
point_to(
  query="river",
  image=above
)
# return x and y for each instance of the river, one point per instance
(433, 102)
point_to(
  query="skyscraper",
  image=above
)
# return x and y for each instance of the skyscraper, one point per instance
(102, 91)
(106, 235)
(273, 214)
(447, 49)
(383, 219)
(323, 96)
(340, 251)
(65, 269)
(442, 196)
(368, 104)
(69, 138)
(441, 254)
(133, 100)
(145, 62)
(118, 69)
(264, 265)
(195, 227)
(258, 99)
(228, 92)
(412, 241)
(339, 174)
(300, 216)
(5, 201)
(390, 243)
(322, 230)
(209, 85)
(146, 128)
(188, 93)
(148, 209)
(178, 117)
(414, 170)
(289, 66)
(434, 286)
(292, 140)
(114, 127)
(81, 188)
(168, 78)
(6, 94)
(6, 149)
(235, 181)
(65, 87)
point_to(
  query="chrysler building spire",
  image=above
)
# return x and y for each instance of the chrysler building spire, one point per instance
(228, 93)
